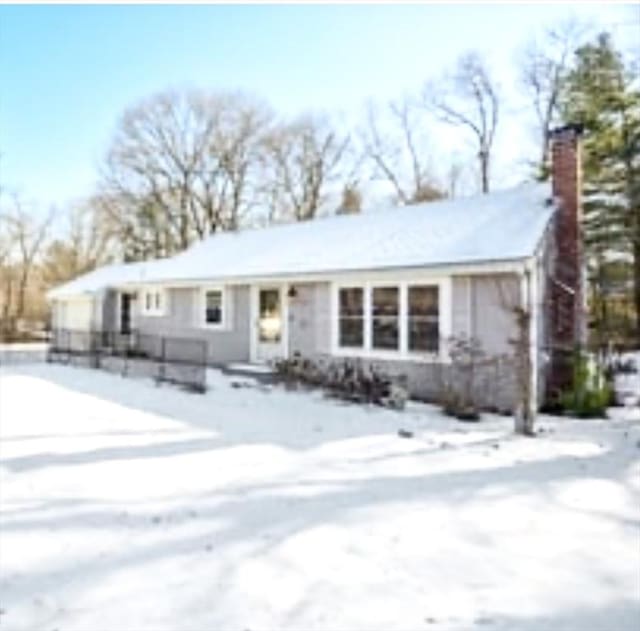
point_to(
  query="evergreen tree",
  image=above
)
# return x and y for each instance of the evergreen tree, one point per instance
(603, 94)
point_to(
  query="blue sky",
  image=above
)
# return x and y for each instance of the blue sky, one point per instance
(67, 72)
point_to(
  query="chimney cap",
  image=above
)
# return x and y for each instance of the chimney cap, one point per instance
(570, 129)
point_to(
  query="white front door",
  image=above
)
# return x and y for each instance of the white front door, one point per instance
(270, 322)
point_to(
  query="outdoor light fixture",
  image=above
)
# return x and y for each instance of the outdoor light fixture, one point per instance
(293, 292)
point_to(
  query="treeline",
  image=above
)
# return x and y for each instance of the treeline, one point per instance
(183, 165)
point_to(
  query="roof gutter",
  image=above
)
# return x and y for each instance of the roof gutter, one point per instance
(497, 266)
(514, 266)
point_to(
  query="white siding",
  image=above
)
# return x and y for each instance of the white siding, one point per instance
(75, 314)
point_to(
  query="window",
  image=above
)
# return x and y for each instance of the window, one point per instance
(423, 315)
(385, 318)
(213, 306)
(351, 317)
(212, 311)
(270, 318)
(153, 302)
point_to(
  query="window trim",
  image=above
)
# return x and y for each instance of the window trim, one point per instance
(153, 293)
(368, 315)
(408, 316)
(363, 317)
(224, 308)
(444, 285)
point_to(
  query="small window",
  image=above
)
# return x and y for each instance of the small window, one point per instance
(351, 325)
(423, 314)
(153, 302)
(385, 309)
(213, 306)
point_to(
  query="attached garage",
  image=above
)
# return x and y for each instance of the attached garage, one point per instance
(75, 314)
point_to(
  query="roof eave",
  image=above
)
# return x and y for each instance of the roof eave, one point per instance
(514, 264)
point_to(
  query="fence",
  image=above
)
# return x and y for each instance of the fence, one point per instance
(166, 359)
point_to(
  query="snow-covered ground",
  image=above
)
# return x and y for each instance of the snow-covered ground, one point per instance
(126, 506)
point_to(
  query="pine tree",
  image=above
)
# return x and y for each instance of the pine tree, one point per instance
(603, 95)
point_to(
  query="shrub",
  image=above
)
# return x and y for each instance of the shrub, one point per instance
(590, 393)
(348, 380)
(458, 391)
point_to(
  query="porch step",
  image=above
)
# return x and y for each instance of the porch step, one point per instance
(260, 372)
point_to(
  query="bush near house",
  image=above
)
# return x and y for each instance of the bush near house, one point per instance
(474, 381)
(459, 391)
(346, 379)
(591, 393)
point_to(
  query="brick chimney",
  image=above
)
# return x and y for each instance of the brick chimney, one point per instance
(567, 324)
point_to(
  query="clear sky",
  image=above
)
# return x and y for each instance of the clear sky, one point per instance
(67, 72)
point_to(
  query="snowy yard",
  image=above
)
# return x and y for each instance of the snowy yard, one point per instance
(125, 506)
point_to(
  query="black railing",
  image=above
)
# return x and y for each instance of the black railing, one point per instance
(165, 358)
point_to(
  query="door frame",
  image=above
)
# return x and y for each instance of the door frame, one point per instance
(124, 298)
(133, 302)
(254, 314)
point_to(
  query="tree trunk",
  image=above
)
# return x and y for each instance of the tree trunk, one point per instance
(600, 306)
(524, 422)
(636, 288)
(7, 323)
(545, 158)
(525, 412)
(22, 288)
(484, 170)
(630, 147)
(604, 329)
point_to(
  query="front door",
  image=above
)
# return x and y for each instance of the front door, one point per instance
(270, 324)
(125, 313)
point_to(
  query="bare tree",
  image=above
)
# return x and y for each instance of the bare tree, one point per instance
(86, 244)
(459, 176)
(5, 240)
(301, 159)
(543, 70)
(7, 276)
(24, 236)
(468, 98)
(400, 151)
(181, 166)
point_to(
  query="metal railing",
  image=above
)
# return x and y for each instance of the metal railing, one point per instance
(165, 358)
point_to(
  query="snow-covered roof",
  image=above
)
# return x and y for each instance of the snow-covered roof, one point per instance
(501, 226)
(103, 277)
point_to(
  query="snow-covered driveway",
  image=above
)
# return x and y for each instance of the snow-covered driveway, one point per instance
(128, 507)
